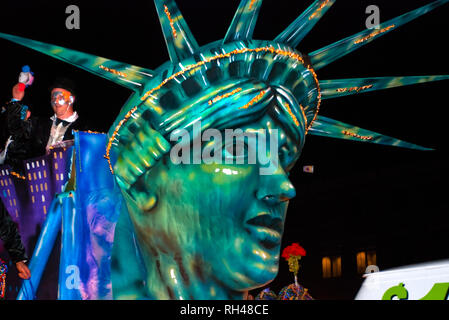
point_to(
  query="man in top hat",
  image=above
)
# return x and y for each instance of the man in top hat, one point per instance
(58, 128)
(26, 136)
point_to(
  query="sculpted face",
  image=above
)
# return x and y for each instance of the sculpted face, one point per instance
(212, 231)
(208, 230)
(222, 222)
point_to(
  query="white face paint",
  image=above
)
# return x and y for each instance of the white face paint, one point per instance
(62, 102)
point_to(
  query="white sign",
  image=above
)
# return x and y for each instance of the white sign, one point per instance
(428, 281)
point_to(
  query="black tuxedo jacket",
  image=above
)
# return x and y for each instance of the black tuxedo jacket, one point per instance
(30, 136)
(42, 129)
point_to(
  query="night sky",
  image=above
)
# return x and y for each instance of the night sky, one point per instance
(360, 194)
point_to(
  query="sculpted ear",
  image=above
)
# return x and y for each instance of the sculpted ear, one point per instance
(143, 148)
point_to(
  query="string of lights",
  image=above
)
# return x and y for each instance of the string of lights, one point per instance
(375, 33)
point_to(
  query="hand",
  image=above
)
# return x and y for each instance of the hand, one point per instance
(23, 270)
(18, 91)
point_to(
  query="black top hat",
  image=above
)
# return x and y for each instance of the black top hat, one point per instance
(64, 83)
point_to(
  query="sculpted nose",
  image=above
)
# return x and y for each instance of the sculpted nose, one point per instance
(288, 190)
(276, 188)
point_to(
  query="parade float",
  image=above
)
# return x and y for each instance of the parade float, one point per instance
(133, 224)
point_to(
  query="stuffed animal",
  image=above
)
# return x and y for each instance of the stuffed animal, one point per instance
(26, 76)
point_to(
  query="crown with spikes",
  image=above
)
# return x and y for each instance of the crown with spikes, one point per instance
(240, 74)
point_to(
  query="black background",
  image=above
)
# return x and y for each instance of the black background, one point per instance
(361, 196)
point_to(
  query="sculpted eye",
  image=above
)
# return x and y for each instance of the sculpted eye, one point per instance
(286, 158)
(236, 150)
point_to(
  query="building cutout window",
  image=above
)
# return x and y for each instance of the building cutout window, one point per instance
(331, 267)
(365, 259)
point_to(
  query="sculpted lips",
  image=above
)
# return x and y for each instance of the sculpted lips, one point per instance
(267, 229)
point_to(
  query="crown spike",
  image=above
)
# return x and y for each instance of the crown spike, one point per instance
(294, 34)
(129, 76)
(344, 87)
(242, 26)
(322, 57)
(179, 39)
(327, 127)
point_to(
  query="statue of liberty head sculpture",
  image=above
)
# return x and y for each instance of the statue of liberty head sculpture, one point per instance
(202, 149)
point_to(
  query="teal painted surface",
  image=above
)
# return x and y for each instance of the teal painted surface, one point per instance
(344, 87)
(330, 128)
(212, 231)
(244, 22)
(44, 246)
(129, 76)
(204, 231)
(293, 35)
(322, 57)
(72, 240)
(178, 37)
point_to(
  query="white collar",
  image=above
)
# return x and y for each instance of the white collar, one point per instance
(70, 119)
